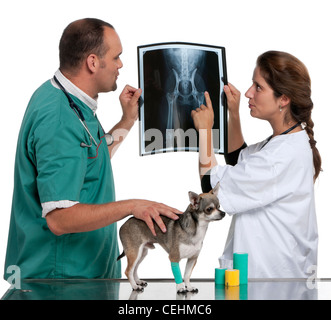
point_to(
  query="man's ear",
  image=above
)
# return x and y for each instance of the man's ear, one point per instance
(194, 199)
(92, 62)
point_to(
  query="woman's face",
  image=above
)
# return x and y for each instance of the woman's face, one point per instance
(262, 102)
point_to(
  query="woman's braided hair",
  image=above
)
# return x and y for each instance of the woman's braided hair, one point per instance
(288, 76)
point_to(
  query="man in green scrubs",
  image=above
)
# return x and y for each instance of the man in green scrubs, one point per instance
(64, 213)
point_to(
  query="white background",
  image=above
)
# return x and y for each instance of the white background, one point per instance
(30, 33)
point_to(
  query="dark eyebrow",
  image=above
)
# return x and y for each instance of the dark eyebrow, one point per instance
(117, 56)
(255, 82)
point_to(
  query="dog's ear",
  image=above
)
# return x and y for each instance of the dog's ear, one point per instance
(194, 199)
(215, 190)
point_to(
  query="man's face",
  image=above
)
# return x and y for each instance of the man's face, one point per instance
(110, 63)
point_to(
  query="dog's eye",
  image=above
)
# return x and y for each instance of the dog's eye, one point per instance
(210, 209)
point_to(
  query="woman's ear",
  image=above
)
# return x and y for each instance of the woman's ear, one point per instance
(284, 100)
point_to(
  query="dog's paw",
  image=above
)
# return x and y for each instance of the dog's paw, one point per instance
(182, 291)
(142, 283)
(138, 288)
(192, 289)
(181, 288)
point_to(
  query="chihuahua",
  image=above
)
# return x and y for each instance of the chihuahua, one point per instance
(183, 239)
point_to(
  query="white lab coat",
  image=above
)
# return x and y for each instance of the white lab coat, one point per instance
(270, 194)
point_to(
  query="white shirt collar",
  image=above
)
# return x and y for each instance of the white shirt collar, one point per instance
(74, 90)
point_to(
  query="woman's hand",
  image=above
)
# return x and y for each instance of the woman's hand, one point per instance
(203, 117)
(233, 98)
(235, 136)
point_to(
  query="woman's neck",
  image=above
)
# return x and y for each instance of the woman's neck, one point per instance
(282, 127)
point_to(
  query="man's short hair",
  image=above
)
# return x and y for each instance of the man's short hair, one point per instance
(80, 39)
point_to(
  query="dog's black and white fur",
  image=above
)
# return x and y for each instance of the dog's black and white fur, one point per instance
(183, 239)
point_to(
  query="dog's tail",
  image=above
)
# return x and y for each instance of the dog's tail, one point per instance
(120, 256)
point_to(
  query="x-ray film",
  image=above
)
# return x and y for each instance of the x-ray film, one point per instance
(173, 78)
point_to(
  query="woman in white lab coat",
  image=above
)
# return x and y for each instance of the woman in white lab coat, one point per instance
(268, 187)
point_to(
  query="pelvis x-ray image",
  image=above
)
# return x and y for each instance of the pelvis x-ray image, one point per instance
(174, 77)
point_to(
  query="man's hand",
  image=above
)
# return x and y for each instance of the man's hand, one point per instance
(148, 211)
(129, 102)
(88, 217)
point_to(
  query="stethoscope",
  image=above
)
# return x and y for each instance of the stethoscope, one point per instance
(285, 132)
(109, 138)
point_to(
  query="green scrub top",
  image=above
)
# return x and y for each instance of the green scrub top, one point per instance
(51, 165)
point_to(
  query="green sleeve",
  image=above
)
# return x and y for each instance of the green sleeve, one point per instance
(60, 161)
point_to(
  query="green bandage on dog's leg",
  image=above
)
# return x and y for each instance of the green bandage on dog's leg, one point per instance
(176, 272)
